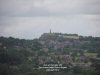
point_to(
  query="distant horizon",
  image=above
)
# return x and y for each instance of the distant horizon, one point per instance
(47, 32)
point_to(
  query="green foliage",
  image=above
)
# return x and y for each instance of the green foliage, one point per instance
(20, 56)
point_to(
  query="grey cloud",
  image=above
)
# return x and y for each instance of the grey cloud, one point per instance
(43, 8)
(31, 18)
(34, 12)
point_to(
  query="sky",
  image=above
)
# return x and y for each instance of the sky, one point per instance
(29, 19)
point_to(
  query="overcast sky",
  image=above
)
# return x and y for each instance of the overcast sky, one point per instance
(31, 18)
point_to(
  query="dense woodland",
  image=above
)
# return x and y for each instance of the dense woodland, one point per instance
(23, 57)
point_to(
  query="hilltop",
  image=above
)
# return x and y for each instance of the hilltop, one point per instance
(79, 54)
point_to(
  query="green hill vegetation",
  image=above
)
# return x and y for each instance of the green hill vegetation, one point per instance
(80, 54)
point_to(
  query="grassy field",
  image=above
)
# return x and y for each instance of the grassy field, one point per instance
(93, 55)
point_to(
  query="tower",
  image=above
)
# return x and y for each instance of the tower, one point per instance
(50, 30)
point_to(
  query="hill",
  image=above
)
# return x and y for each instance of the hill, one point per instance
(80, 54)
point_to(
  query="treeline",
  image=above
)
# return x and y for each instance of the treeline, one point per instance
(15, 56)
(20, 56)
